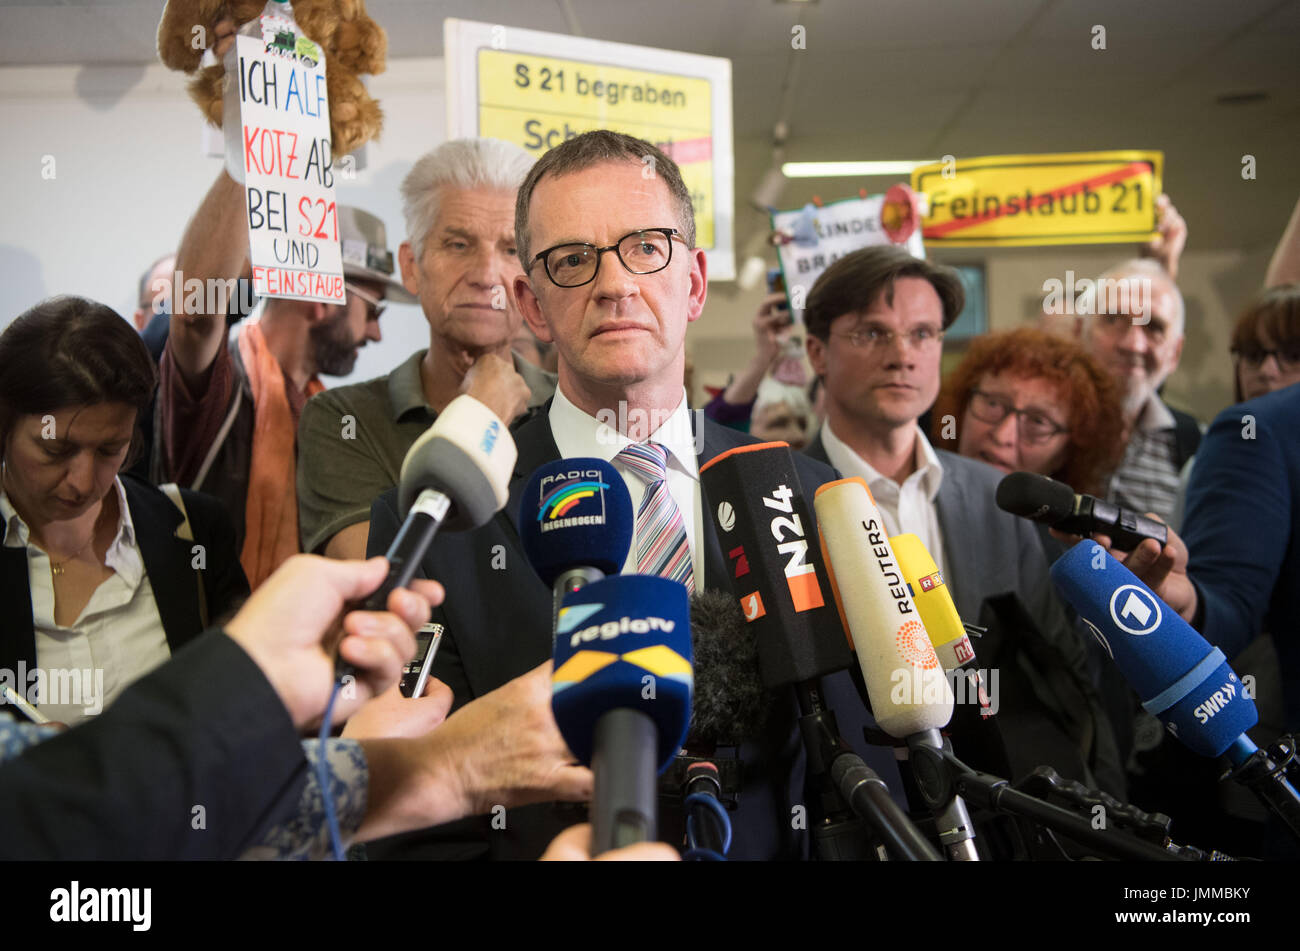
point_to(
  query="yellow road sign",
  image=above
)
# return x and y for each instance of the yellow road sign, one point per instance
(1064, 198)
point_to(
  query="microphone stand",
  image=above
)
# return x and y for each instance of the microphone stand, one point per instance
(849, 781)
(997, 794)
(1254, 769)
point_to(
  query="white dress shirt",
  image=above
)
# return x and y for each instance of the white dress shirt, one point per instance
(906, 508)
(117, 639)
(578, 434)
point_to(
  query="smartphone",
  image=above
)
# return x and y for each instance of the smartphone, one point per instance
(416, 673)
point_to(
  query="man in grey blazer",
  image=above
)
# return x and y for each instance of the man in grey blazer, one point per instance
(876, 320)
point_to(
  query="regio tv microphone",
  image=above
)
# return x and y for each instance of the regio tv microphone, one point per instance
(621, 695)
(1180, 678)
(933, 601)
(1041, 499)
(769, 540)
(456, 475)
(910, 696)
(575, 523)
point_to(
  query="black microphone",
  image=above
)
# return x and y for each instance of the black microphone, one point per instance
(1040, 499)
(457, 476)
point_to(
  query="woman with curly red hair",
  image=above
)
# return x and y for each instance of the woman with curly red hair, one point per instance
(1029, 400)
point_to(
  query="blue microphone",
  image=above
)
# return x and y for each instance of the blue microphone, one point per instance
(1179, 677)
(621, 695)
(575, 523)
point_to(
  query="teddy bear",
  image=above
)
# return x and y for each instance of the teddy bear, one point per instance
(352, 41)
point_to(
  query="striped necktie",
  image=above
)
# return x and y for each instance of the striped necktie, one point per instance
(661, 546)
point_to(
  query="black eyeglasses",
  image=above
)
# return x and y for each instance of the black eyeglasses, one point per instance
(374, 305)
(1034, 425)
(1288, 358)
(641, 252)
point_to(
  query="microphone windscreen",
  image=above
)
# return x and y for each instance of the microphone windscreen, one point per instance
(769, 538)
(933, 601)
(468, 455)
(906, 685)
(1035, 497)
(575, 513)
(1179, 677)
(623, 643)
(730, 703)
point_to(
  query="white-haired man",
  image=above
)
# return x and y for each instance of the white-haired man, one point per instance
(459, 260)
(1138, 336)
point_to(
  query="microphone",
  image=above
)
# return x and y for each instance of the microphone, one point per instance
(1040, 499)
(455, 475)
(905, 682)
(575, 523)
(908, 689)
(621, 695)
(933, 602)
(764, 528)
(1180, 678)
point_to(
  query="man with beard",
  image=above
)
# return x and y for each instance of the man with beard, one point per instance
(227, 416)
(1138, 336)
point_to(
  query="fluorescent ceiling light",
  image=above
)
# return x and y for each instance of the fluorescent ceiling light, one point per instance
(849, 169)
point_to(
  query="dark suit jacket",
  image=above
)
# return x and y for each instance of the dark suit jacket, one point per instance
(991, 552)
(498, 616)
(167, 562)
(206, 730)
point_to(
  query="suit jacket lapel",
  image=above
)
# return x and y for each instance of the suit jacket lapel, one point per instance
(959, 537)
(17, 631)
(715, 562)
(166, 561)
(536, 447)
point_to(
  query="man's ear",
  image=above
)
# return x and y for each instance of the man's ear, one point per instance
(1178, 354)
(699, 285)
(318, 313)
(816, 348)
(410, 273)
(531, 308)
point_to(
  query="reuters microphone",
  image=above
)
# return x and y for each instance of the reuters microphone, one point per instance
(621, 694)
(909, 691)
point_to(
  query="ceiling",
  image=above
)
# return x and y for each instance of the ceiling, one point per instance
(901, 79)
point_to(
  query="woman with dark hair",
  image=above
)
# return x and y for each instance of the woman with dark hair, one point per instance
(1266, 343)
(1029, 400)
(102, 576)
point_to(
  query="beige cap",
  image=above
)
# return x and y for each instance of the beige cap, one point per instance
(366, 257)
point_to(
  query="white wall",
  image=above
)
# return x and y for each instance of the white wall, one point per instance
(128, 170)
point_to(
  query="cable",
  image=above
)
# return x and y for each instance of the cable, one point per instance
(723, 821)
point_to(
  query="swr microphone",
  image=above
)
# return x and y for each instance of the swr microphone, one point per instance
(1040, 499)
(765, 531)
(575, 523)
(1180, 678)
(909, 692)
(621, 694)
(455, 475)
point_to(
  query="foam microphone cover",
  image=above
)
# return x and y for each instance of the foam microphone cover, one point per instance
(1180, 678)
(905, 682)
(623, 643)
(575, 513)
(1035, 497)
(730, 703)
(468, 455)
(933, 601)
(775, 569)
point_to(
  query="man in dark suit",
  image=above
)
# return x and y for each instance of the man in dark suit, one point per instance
(876, 320)
(605, 231)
